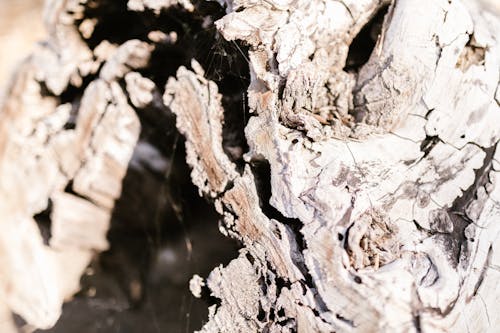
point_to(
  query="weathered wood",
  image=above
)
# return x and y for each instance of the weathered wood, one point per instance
(394, 203)
(383, 174)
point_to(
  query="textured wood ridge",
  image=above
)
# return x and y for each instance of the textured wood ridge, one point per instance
(366, 195)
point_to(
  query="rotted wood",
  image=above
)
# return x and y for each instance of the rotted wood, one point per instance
(367, 196)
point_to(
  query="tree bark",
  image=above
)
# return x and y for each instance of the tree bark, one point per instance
(358, 167)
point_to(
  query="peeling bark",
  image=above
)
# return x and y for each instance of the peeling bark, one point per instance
(364, 196)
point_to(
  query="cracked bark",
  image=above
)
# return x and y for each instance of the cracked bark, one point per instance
(365, 195)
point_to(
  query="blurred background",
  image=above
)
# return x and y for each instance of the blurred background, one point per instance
(20, 27)
(142, 283)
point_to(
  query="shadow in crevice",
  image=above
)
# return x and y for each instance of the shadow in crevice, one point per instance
(161, 231)
(44, 222)
(161, 234)
(363, 44)
(224, 62)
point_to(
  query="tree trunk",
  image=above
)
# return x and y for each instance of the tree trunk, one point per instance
(357, 164)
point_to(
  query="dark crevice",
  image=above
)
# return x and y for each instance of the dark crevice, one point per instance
(360, 51)
(224, 62)
(261, 170)
(345, 320)
(271, 316)
(263, 284)
(19, 321)
(250, 258)
(157, 127)
(44, 90)
(420, 228)
(346, 237)
(236, 115)
(161, 231)
(71, 122)
(210, 299)
(163, 63)
(161, 234)
(70, 190)
(280, 282)
(192, 42)
(363, 44)
(72, 92)
(261, 316)
(290, 323)
(417, 322)
(456, 242)
(43, 221)
(428, 143)
(115, 23)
